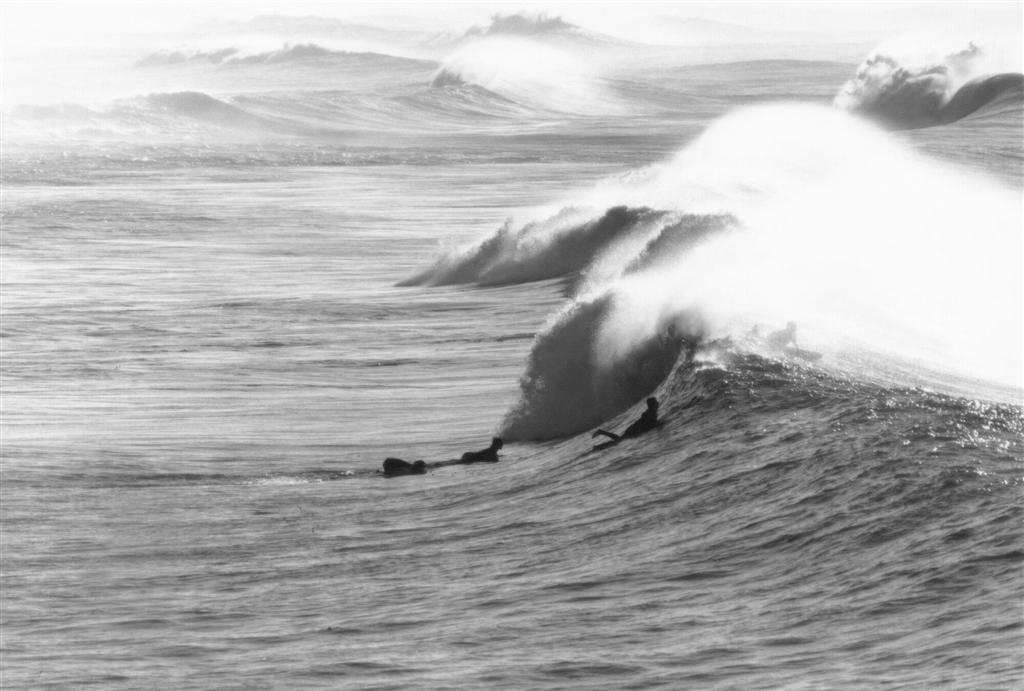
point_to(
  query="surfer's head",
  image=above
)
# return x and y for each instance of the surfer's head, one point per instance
(790, 327)
(496, 443)
(419, 467)
(652, 402)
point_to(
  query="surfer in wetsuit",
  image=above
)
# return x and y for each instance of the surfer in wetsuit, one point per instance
(396, 466)
(647, 422)
(783, 337)
(488, 455)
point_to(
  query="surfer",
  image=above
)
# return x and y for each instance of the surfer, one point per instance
(396, 466)
(647, 422)
(784, 341)
(488, 455)
(783, 337)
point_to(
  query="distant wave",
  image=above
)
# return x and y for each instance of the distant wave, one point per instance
(176, 57)
(543, 28)
(303, 53)
(530, 72)
(923, 91)
(568, 387)
(985, 94)
(775, 213)
(316, 114)
(200, 106)
(523, 24)
(154, 115)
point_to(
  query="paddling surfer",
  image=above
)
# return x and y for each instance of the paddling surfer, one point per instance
(396, 466)
(488, 455)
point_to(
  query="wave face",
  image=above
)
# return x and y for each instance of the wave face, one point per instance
(529, 71)
(907, 90)
(567, 244)
(159, 115)
(321, 116)
(543, 27)
(776, 213)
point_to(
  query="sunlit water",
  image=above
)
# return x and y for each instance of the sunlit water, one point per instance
(206, 357)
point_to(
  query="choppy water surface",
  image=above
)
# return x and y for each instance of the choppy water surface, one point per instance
(224, 307)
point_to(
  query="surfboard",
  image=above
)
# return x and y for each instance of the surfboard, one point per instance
(612, 442)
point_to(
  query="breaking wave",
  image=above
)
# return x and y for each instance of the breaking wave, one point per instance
(523, 25)
(776, 213)
(906, 89)
(530, 72)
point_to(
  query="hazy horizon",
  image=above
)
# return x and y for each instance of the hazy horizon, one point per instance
(66, 52)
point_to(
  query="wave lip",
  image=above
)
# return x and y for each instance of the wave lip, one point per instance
(543, 27)
(530, 71)
(985, 94)
(569, 387)
(908, 91)
(559, 246)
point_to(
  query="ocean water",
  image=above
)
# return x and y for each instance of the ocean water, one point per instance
(230, 294)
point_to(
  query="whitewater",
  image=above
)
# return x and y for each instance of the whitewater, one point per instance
(248, 264)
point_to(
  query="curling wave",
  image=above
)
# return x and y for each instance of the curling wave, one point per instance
(528, 71)
(907, 91)
(584, 251)
(776, 213)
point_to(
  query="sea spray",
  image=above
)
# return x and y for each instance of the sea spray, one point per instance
(529, 71)
(920, 82)
(891, 259)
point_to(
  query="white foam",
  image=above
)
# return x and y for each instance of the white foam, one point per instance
(841, 228)
(533, 72)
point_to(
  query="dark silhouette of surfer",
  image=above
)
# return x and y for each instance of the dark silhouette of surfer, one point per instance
(396, 466)
(647, 422)
(488, 455)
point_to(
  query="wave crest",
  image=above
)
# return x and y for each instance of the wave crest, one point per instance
(777, 213)
(523, 24)
(906, 89)
(530, 72)
(554, 247)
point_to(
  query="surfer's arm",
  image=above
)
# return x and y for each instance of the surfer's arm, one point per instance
(610, 435)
